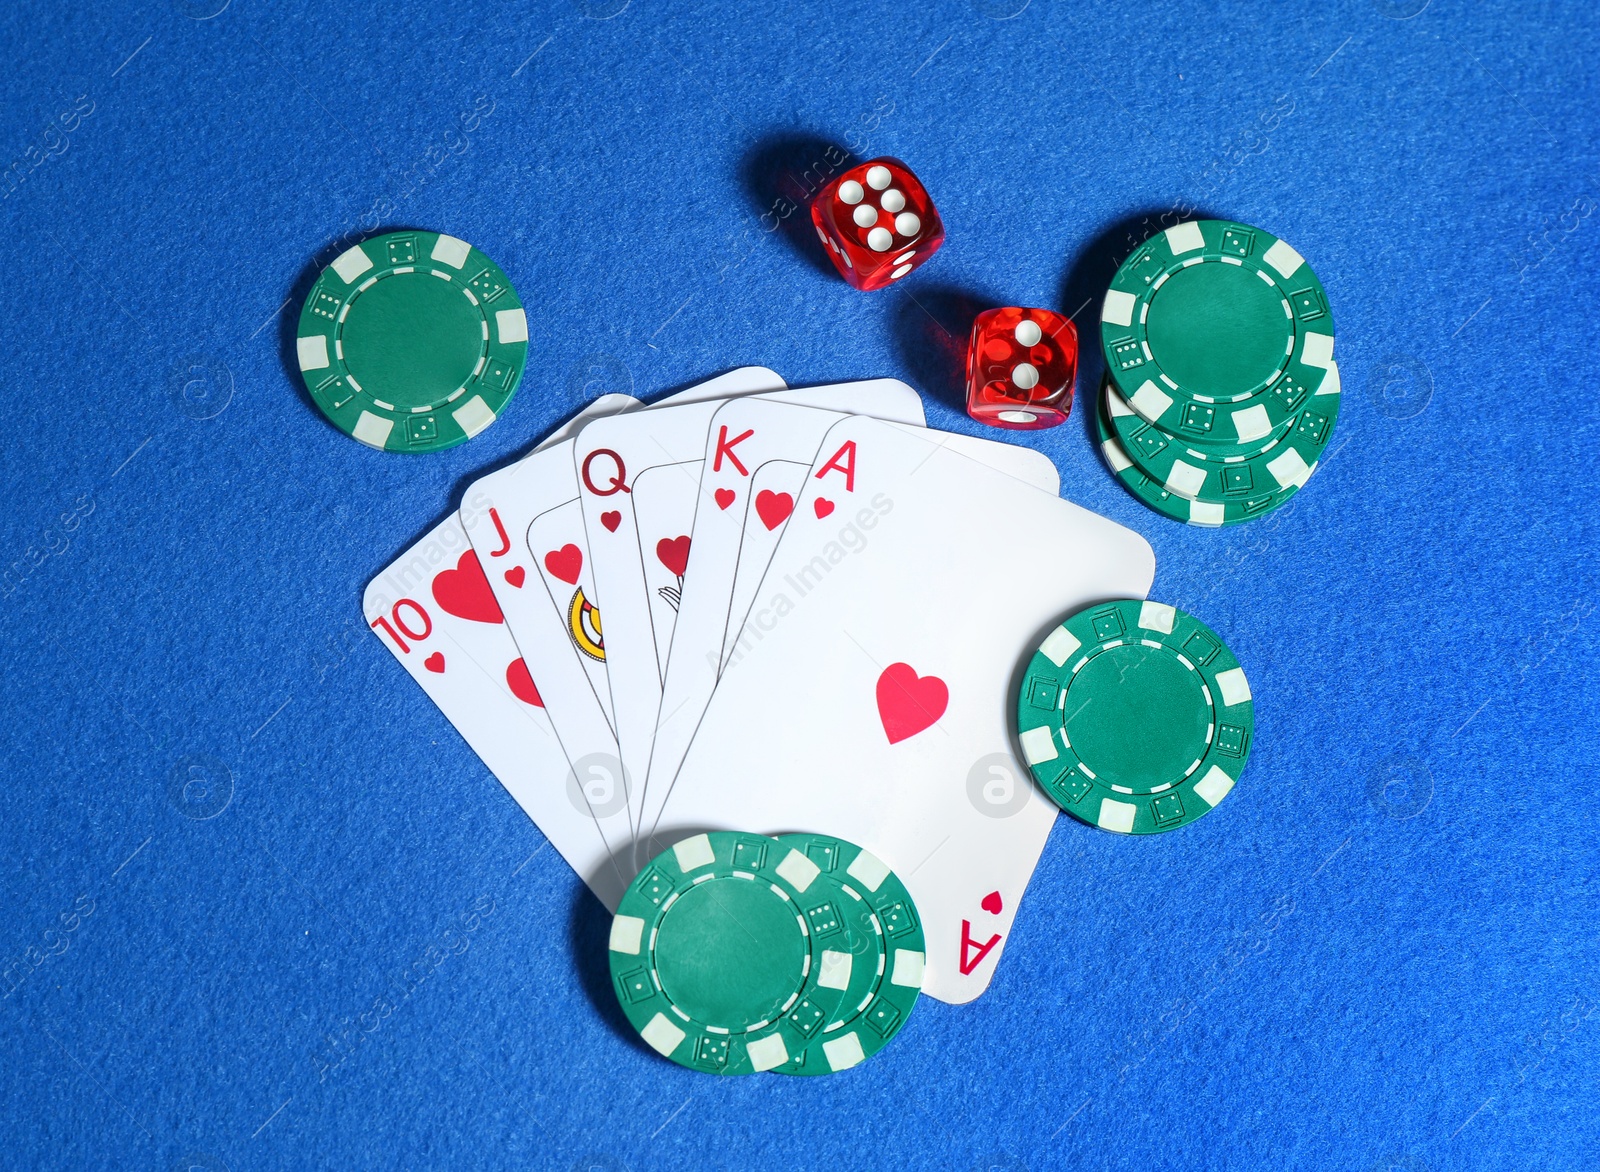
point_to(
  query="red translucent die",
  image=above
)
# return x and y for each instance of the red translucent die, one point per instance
(877, 223)
(1020, 368)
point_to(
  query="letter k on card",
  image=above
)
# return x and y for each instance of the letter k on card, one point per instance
(745, 437)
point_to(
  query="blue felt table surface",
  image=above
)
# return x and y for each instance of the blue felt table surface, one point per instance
(1379, 952)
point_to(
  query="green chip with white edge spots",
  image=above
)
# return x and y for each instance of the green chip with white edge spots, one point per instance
(713, 956)
(873, 952)
(1218, 333)
(1284, 461)
(412, 342)
(1135, 717)
(1202, 514)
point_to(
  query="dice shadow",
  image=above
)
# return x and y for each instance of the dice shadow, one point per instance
(781, 174)
(933, 323)
(932, 326)
(1083, 286)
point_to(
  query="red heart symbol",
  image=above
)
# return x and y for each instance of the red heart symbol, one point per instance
(464, 592)
(522, 687)
(908, 703)
(611, 520)
(991, 903)
(823, 507)
(724, 497)
(565, 563)
(674, 553)
(435, 662)
(773, 507)
(516, 575)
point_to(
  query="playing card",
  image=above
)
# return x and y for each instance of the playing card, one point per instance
(775, 484)
(435, 612)
(546, 590)
(555, 543)
(773, 487)
(662, 498)
(744, 436)
(872, 700)
(609, 461)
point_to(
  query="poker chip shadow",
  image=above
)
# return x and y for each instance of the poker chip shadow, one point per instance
(932, 329)
(781, 175)
(589, 936)
(1083, 288)
(289, 314)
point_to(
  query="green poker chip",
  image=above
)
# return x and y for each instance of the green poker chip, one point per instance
(1285, 460)
(868, 924)
(1217, 332)
(1204, 514)
(713, 957)
(1135, 717)
(412, 342)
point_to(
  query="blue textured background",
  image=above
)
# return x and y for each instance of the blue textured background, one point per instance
(1381, 952)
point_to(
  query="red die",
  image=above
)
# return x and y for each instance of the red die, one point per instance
(877, 223)
(1021, 364)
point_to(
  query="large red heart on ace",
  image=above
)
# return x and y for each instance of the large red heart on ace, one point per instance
(674, 553)
(464, 592)
(909, 703)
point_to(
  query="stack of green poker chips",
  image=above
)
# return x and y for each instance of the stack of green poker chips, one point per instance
(1134, 716)
(1204, 514)
(864, 913)
(736, 953)
(412, 342)
(1223, 391)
